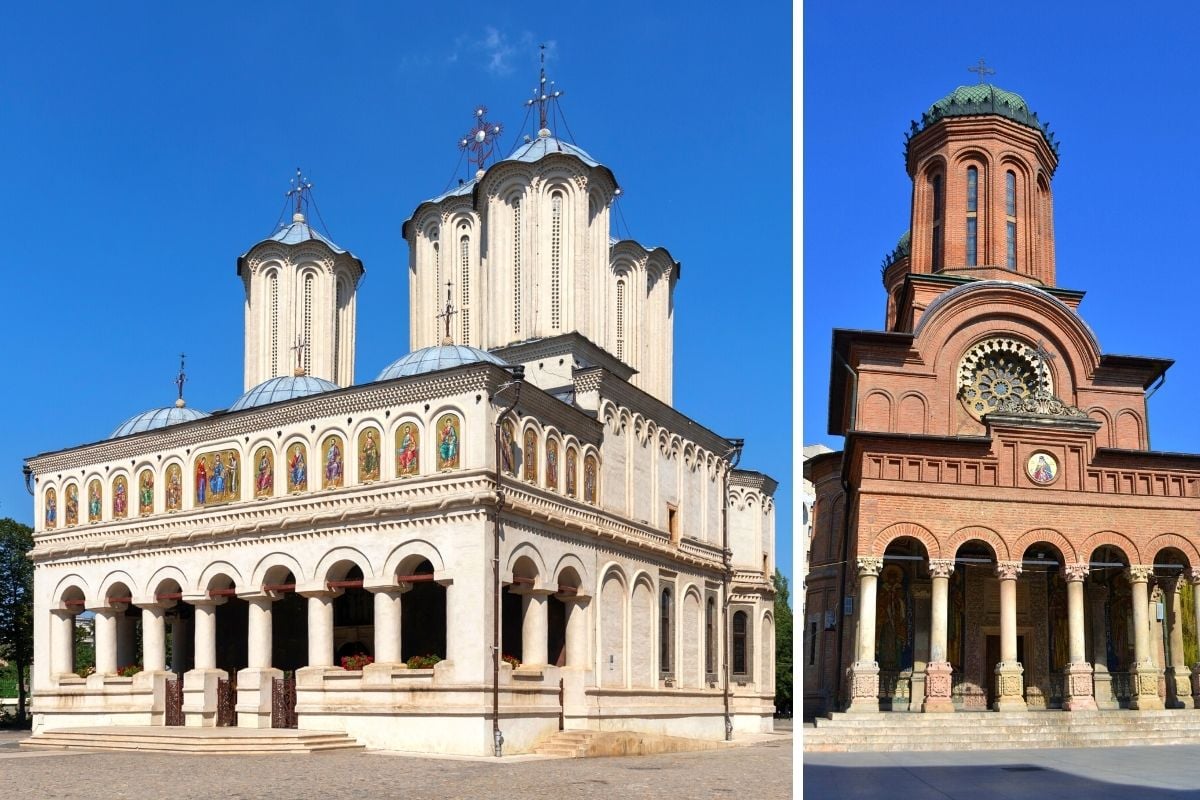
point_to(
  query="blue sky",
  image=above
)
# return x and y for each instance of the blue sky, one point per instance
(146, 149)
(1117, 90)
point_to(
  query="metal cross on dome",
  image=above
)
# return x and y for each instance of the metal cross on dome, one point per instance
(480, 141)
(543, 95)
(447, 314)
(983, 69)
(181, 378)
(300, 187)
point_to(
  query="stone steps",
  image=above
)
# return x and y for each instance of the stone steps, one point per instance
(1000, 731)
(217, 741)
(567, 744)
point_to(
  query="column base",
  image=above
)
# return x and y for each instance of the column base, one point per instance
(255, 686)
(937, 688)
(1144, 696)
(917, 690)
(1080, 691)
(200, 697)
(1106, 699)
(864, 687)
(1010, 687)
(1179, 688)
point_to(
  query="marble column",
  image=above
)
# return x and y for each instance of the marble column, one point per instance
(105, 630)
(938, 671)
(1144, 674)
(259, 636)
(1179, 677)
(1193, 577)
(200, 682)
(387, 623)
(154, 638)
(320, 628)
(864, 672)
(577, 630)
(534, 635)
(256, 683)
(62, 655)
(1010, 689)
(205, 628)
(1079, 692)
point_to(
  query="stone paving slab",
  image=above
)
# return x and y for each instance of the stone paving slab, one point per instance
(1096, 773)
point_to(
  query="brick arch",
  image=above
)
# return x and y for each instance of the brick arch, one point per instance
(912, 413)
(901, 529)
(1165, 540)
(964, 535)
(875, 413)
(1107, 431)
(1045, 535)
(1117, 540)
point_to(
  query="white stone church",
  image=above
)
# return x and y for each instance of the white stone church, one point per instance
(509, 531)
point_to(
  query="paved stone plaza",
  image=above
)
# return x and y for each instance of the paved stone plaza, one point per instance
(1101, 773)
(762, 771)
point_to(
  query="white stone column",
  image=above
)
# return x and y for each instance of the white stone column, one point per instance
(62, 655)
(320, 628)
(200, 682)
(938, 671)
(864, 672)
(205, 626)
(259, 640)
(154, 639)
(1144, 674)
(256, 683)
(577, 630)
(105, 628)
(534, 644)
(1079, 690)
(1179, 677)
(1010, 694)
(388, 609)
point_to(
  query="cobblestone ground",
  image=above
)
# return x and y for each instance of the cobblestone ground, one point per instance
(762, 771)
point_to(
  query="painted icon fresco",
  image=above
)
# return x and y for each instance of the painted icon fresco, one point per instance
(146, 492)
(264, 472)
(95, 501)
(530, 450)
(368, 455)
(551, 463)
(174, 489)
(508, 448)
(1042, 468)
(448, 433)
(590, 469)
(51, 510)
(332, 462)
(572, 469)
(120, 497)
(894, 622)
(297, 468)
(72, 503)
(408, 450)
(217, 478)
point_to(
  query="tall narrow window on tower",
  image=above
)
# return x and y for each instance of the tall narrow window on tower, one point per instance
(972, 214)
(556, 210)
(273, 330)
(464, 262)
(437, 283)
(936, 248)
(516, 272)
(339, 300)
(621, 320)
(306, 327)
(1010, 212)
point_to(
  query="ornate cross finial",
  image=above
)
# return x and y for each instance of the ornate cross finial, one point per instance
(300, 187)
(983, 69)
(1044, 357)
(543, 95)
(180, 379)
(480, 141)
(300, 347)
(447, 314)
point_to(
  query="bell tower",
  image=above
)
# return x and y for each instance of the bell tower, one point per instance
(981, 164)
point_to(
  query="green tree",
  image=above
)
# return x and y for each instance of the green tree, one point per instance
(16, 603)
(783, 644)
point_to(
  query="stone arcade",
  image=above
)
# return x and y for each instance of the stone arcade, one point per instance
(351, 543)
(996, 532)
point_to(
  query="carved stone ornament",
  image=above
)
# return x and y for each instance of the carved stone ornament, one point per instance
(1076, 572)
(941, 567)
(1193, 576)
(1008, 570)
(1041, 404)
(997, 370)
(1141, 573)
(869, 565)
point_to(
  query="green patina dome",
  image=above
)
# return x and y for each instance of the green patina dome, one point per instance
(903, 248)
(980, 99)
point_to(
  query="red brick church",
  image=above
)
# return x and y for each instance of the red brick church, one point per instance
(996, 532)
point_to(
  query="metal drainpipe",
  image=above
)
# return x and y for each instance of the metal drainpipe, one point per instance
(847, 492)
(518, 373)
(727, 558)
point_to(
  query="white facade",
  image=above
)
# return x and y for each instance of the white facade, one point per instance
(633, 562)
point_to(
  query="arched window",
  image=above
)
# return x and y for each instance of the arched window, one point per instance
(935, 182)
(621, 319)
(664, 631)
(339, 312)
(710, 636)
(437, 287)
(516, 271)
(464, 263)
(972, 215)
(273, 322)
(1010, 213)
(556, 214)
(306, 326)
(739, 644)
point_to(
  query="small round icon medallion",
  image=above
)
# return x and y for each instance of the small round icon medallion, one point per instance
(1042, 468)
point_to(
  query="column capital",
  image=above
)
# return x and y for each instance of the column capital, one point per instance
(1140, 573)
(941, 567)
(1008, 570)
(1193, 576)
(386, 587)
(869, 565)
(1076, 572)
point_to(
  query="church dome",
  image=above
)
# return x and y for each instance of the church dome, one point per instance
(432, 359)
(156, 418)
(981, 99)
(542, 146)
(287, 387)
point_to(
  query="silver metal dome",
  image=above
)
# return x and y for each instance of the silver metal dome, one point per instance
(287, 387)
(156, 418)
(432, 359)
